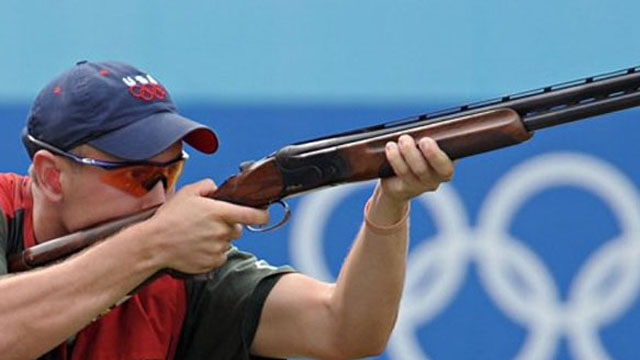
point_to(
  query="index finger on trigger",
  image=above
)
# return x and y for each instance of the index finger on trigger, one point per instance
(233, 213)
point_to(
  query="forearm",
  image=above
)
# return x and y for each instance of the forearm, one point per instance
(369, 287)
(42, 308)
(354, 317)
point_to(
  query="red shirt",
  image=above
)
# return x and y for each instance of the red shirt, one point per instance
(147, 326)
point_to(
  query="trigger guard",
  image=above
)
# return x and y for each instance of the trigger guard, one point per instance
(284, 220)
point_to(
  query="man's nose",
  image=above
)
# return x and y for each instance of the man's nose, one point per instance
(156, 196)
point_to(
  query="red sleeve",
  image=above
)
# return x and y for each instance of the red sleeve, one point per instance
(15, 196)
(7, 186)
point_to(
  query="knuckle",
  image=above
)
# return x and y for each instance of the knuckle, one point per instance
(220, 233)
(393, 157)
(208, 182)
(247, 218)
(222, 247)
(196, 269)
(213, 261)
(426, 145)
(221, 259)
(402, 171)
(391, 152)
(448, 174)
(236, 234)
(406, 143)
(202, 186)
(183, 190)
(264, 217)
(431, 143)
(423, 173)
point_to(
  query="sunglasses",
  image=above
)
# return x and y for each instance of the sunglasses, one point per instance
(134, 177)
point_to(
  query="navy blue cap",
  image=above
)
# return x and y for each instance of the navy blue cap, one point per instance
(115, 108)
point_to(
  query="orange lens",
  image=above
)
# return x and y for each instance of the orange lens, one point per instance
(139, 180)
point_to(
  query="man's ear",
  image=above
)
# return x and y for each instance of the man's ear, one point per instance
(46, 171)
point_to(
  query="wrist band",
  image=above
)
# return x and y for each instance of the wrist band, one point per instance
(387, 229)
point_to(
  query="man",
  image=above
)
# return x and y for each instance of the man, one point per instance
(106, 141)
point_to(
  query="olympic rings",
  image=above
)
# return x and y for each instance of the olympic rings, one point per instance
(444, 259)
(148, 92)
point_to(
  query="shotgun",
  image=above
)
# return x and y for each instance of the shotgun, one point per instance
(359, 155)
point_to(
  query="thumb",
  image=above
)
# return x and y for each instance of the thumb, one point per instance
(204, 187)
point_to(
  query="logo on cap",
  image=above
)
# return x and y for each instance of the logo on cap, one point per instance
(144, 87)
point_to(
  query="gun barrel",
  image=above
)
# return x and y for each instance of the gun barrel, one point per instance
(539, 108)
(581, 110)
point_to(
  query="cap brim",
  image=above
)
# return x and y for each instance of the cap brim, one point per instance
(154, 134)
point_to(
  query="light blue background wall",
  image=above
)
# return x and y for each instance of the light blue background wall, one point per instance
(269, 73)
(322, 50)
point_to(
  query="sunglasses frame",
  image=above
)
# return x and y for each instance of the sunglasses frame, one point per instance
(107, 165)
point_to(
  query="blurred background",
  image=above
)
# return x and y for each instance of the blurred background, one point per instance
(531, 252)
